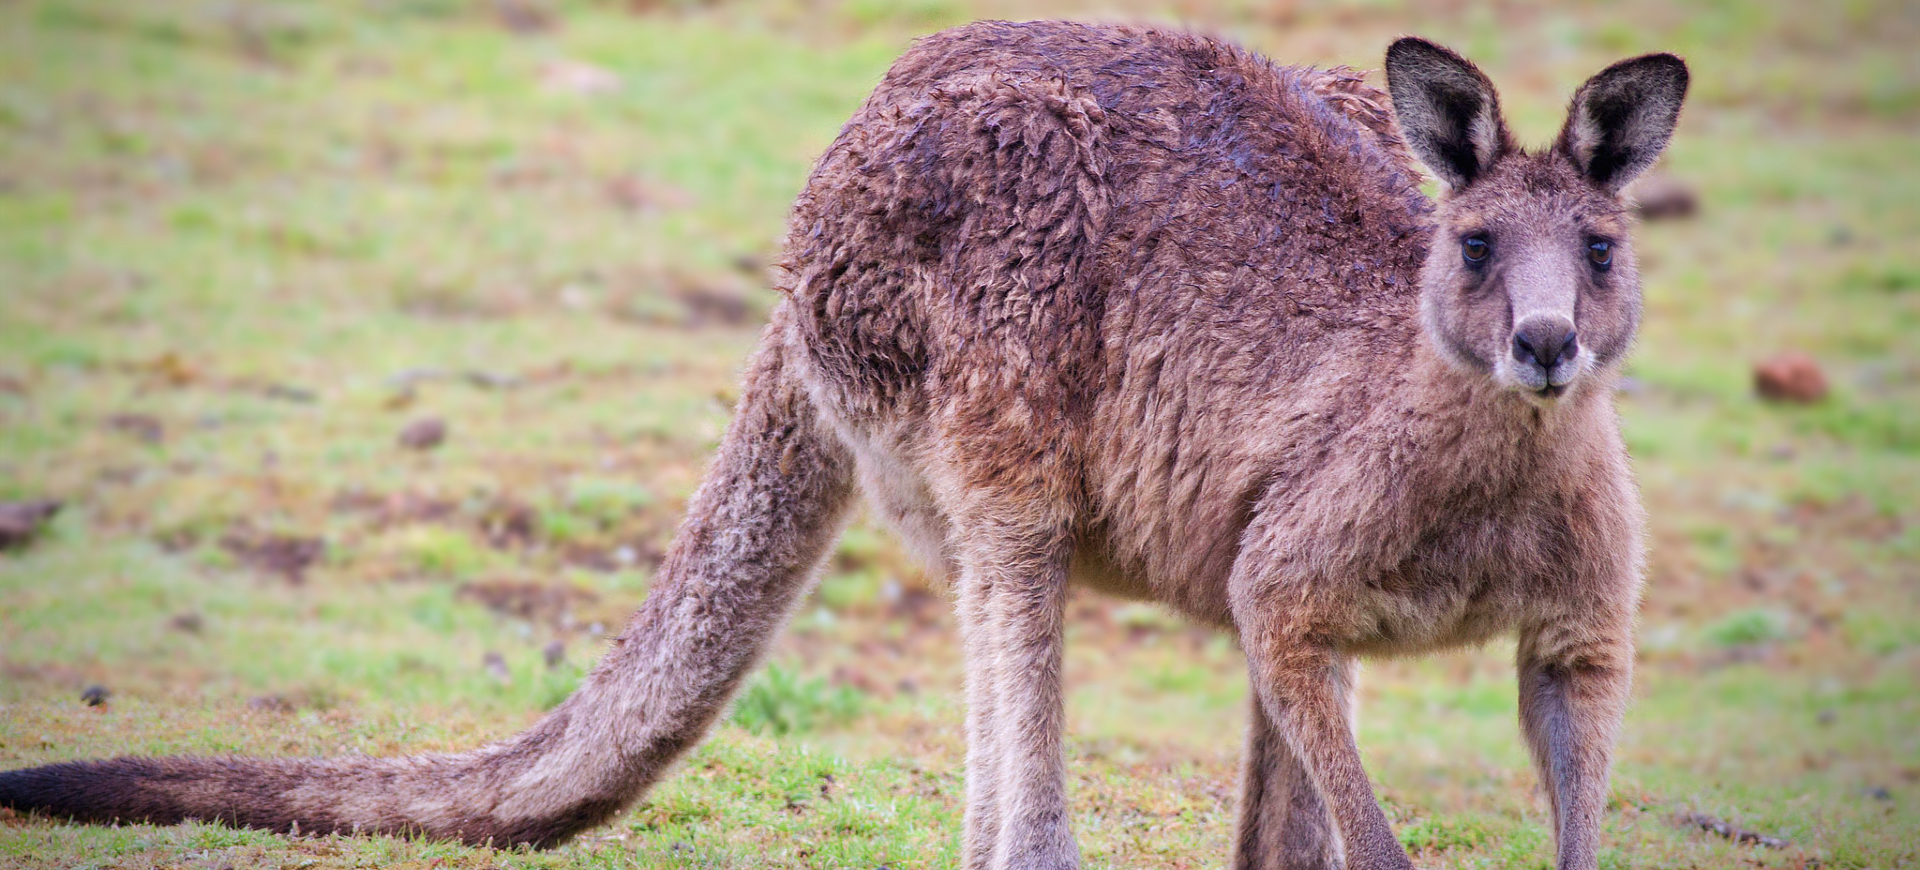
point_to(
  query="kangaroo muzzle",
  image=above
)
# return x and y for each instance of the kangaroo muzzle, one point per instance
(1546, 352)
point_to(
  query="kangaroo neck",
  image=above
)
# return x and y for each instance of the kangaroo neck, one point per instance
(1478, 431)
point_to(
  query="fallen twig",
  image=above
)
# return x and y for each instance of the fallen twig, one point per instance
(1728, 830)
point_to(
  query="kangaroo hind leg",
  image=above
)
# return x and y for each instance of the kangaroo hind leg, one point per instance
(1282, 824)
(1012, 585)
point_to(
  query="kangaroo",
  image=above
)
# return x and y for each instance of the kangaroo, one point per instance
(1144, 312)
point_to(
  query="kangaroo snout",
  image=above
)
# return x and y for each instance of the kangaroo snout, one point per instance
(1547, 349)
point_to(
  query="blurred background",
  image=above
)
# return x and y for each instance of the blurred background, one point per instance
(357, 359)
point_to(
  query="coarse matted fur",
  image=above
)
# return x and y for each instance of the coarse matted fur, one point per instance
(1142, 311)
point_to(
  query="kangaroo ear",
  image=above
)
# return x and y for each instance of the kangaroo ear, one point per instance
(1621, 119)
(1446, 109)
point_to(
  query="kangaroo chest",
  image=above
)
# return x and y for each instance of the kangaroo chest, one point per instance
(1478, 577)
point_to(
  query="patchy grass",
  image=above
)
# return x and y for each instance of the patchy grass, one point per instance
(781, 701)
(244, 246)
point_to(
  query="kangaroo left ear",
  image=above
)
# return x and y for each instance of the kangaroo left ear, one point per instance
(1621, 119)
(1447, 111)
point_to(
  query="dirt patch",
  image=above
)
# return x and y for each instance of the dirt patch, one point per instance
(692, 301)
(394, 509)
(288, 556)
(1853, 516)
(144, 428)
(547, 603)
(507, 524)
(711, 304)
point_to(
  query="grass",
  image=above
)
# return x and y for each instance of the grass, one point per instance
(242, 246)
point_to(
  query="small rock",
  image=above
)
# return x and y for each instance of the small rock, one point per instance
(1661, 197)
(22, 521)
(496, 664)
(95, 695)
(188, 622)
(1790, 377)
(1826, 717)
(424, 434)
(555, 652)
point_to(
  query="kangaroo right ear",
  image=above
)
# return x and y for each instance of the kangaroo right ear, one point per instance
(1621, 118)
(1447, 110)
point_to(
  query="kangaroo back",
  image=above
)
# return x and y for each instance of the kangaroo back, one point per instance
(754, 536)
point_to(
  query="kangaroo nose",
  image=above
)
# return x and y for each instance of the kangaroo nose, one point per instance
(1545, 341)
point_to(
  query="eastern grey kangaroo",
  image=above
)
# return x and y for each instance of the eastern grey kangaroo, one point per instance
(1142, 311)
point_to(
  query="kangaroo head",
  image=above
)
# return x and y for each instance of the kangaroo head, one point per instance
(1531, 277)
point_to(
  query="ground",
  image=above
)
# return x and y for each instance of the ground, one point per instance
(253, 255)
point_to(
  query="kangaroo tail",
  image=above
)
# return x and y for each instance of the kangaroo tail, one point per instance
(755, 534)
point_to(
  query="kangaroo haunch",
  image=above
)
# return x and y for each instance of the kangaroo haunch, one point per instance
(1142, 311)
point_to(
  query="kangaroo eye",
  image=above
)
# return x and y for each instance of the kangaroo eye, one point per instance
(1475, 249)
(1600, 254)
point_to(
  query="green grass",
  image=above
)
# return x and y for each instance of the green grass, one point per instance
(242, 246)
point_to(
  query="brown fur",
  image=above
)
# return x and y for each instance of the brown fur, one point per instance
(1141, 311)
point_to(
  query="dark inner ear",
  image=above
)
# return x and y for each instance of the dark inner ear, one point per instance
(1454, 143)
(1446, 109)
(1611, 114)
